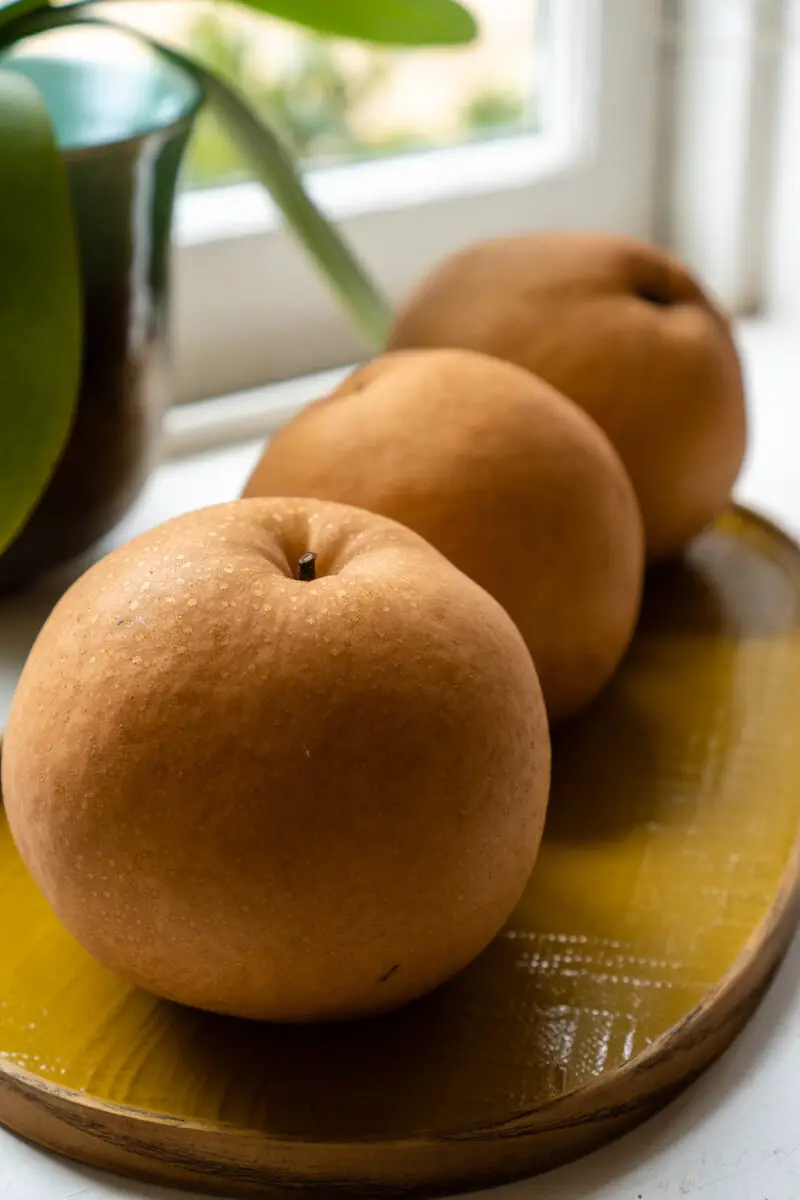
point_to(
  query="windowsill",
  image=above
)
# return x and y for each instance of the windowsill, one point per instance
(770, 480)
(256, 413)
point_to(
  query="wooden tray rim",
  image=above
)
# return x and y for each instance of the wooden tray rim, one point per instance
(723, 1010)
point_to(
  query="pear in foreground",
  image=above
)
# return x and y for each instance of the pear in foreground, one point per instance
(280, 759)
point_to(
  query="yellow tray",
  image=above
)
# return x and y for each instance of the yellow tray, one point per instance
(664, 896)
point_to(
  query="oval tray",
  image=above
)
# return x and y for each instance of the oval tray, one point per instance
(663, 898)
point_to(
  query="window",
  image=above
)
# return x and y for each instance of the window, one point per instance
(548, 121)
(664, 119)
(782, 281)
(339, 102)
(723, 65)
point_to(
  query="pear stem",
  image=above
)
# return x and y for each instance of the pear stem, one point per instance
(306, 567)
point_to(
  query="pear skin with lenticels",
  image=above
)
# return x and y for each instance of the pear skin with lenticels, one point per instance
(501, 473)
(629, 334)
(279, 759)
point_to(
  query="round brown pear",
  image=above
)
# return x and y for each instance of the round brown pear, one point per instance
(280, 759)
(626, 332)
(512, 482)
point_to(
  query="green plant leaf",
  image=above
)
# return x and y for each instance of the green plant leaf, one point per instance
(40, 305)
(389, 22)
(11, 9)
(273, 166)
(385, 22)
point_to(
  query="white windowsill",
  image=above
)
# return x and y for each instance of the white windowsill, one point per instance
(733, 1135)
(256, 413)
(382, 185)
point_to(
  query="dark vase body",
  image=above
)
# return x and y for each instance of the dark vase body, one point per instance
(122, 190)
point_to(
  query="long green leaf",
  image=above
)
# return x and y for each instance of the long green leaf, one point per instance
(40, 307)
(273, 166)
(10, 10)
(386, 22)
(389, 22)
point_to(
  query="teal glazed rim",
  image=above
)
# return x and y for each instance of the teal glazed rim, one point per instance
(96, 100)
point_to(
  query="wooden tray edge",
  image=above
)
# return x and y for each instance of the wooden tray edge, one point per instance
(221, 1159)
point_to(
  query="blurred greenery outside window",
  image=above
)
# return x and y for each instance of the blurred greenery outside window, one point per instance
(336, 102)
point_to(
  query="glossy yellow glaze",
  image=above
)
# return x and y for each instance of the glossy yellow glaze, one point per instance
(675, 810)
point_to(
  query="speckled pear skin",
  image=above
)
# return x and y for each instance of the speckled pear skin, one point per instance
(273, 798)
(512, 482)
(625, 331)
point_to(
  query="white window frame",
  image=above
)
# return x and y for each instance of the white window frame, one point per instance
(249, 307)
(722, 70)
(782, 283)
